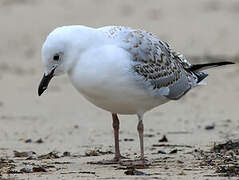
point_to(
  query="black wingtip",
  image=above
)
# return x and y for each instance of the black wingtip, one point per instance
(197, 67)
(224, 63)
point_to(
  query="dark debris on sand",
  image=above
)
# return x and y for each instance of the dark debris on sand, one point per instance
(51, 155)
(33, 169)
(23, 154)
(97, 152)
(12, 166)
(173, 151)
(228, 170)
(229, 145)
(7, 163)
(210, 127)
(163, 139)
(222, 157)
(128, 139)
(38, 141)
(133, 171)
(31, 155)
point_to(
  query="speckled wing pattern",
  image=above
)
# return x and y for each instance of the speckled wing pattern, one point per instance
(161, 69)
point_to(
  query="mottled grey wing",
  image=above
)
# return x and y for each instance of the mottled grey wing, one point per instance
(171, 83)
(160, 68)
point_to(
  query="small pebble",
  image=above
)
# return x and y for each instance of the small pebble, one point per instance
(28, 141)
(149, 135)
(76, 126)
(39, 141)
(135, 172)
(128, 139)
(210, 127)
(161, 152)
(66, 153)
(173, 151)
(39, 169)
(26, 170)
(164, 139)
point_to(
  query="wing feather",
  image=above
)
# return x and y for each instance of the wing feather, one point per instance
(161, 69)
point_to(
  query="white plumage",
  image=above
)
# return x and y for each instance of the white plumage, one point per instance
(119, 69)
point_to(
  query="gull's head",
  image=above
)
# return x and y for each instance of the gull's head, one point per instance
(59, 52)
(62, 49)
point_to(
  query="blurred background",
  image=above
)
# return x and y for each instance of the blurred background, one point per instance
(203, 30)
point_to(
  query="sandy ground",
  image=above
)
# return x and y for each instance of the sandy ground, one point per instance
(65, 121)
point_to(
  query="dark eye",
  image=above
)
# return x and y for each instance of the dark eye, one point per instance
(56, 57)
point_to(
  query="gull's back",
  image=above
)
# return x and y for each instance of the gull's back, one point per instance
(157, 68)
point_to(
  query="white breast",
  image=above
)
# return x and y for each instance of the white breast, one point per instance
(103, 75)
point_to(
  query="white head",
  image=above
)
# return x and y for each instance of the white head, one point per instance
(61, 50)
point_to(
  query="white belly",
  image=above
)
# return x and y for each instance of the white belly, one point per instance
(105, 80)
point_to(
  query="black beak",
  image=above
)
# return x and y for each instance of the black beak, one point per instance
(45, 81)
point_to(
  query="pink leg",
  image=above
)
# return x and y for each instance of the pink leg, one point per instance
(116, 136)
(118, 156)
(142, 161)
(140, 129)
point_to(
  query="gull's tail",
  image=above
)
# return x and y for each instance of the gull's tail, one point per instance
(196, 68)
